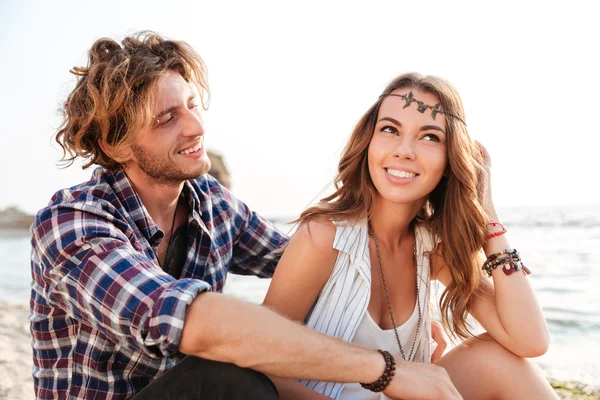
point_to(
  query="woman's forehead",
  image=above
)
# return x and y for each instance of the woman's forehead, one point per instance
(414, 104)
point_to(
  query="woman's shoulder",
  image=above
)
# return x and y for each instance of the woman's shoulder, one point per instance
(319, 233)
(333, 235)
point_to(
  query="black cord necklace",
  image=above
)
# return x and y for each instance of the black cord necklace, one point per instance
(166, 259)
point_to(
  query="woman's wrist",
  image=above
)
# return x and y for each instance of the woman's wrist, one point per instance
(494, 229)
(495, 242)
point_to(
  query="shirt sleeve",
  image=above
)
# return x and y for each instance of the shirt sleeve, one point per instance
(257, 243)
(90, 268)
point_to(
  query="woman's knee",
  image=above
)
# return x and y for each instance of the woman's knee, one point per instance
(483, 353)
(481, 368)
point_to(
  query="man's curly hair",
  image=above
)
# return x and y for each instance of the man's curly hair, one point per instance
(115, 94)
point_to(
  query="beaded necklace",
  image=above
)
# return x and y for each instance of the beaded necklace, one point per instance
(387, 297)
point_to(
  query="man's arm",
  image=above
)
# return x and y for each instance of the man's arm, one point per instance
(87, 266)
(254, 238)
(222, 328)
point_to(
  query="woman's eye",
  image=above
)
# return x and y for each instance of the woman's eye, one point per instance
(389, 129)
(431, 137)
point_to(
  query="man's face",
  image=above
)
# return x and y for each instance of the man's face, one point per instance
(172, 149)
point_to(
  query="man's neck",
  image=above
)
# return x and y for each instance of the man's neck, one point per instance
(159, 198)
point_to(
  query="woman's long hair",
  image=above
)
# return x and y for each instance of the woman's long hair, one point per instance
(455, 208)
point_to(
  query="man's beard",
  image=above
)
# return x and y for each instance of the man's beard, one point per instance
(164, 171)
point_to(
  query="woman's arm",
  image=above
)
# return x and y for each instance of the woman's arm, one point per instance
(518, 314)
(302, 272)
(504, 305)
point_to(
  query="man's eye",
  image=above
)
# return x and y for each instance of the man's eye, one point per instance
(431, 137)
(164, 120)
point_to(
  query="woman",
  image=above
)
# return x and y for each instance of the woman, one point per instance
(412, 204)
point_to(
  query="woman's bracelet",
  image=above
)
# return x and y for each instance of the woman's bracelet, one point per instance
(386, 377)
(500, 232)
(509, 259)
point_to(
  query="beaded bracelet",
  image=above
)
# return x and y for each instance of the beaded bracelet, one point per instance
(509, 259)
(501, 232)
(386, 377)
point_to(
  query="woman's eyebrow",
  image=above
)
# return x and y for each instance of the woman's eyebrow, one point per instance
(432, 127)
(423, 128)
(392, 120)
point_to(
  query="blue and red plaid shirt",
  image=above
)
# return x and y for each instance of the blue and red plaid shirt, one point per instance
(105, 318)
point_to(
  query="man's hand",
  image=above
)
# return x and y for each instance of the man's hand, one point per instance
(420, 381)
(440, 338)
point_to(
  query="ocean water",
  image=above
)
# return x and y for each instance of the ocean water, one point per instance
(561, 245)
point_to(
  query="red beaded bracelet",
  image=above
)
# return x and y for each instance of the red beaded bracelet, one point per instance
(492, 235)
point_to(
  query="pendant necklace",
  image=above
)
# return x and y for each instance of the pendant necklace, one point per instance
(387, 297)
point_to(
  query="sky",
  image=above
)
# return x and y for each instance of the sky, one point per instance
(290, 79)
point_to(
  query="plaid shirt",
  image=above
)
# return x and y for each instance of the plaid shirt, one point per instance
(105, 319)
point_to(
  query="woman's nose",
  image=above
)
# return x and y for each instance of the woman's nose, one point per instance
(405, 149)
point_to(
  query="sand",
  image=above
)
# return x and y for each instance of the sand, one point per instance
(15, 356)
(16, 360)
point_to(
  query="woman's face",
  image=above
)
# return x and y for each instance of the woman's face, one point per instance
(407, 154)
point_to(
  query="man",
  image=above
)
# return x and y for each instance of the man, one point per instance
(128, 267)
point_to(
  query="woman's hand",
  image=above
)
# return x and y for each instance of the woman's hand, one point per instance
(440, 338)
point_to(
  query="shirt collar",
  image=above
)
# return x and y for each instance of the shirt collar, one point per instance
(128, 197)
(195, 199)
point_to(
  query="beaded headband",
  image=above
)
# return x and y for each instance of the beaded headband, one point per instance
(422, 107)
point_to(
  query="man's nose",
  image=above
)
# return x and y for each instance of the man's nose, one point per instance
(194, 124)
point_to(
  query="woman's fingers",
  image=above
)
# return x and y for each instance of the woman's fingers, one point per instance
(439, 336)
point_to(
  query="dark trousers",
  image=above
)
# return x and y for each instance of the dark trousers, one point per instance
(195, 378)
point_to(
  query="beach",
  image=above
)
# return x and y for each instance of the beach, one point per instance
(16, 360)
(562, 247)
(15, 357)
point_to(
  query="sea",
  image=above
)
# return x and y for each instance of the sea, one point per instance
(561, 245)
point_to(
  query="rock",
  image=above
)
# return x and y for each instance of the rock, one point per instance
(575, 390)
(14, 218)
(218, 169)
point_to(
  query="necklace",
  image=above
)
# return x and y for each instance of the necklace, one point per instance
(166, 259)
(387, 297)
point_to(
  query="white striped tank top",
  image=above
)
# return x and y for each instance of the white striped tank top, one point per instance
(342, 304)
